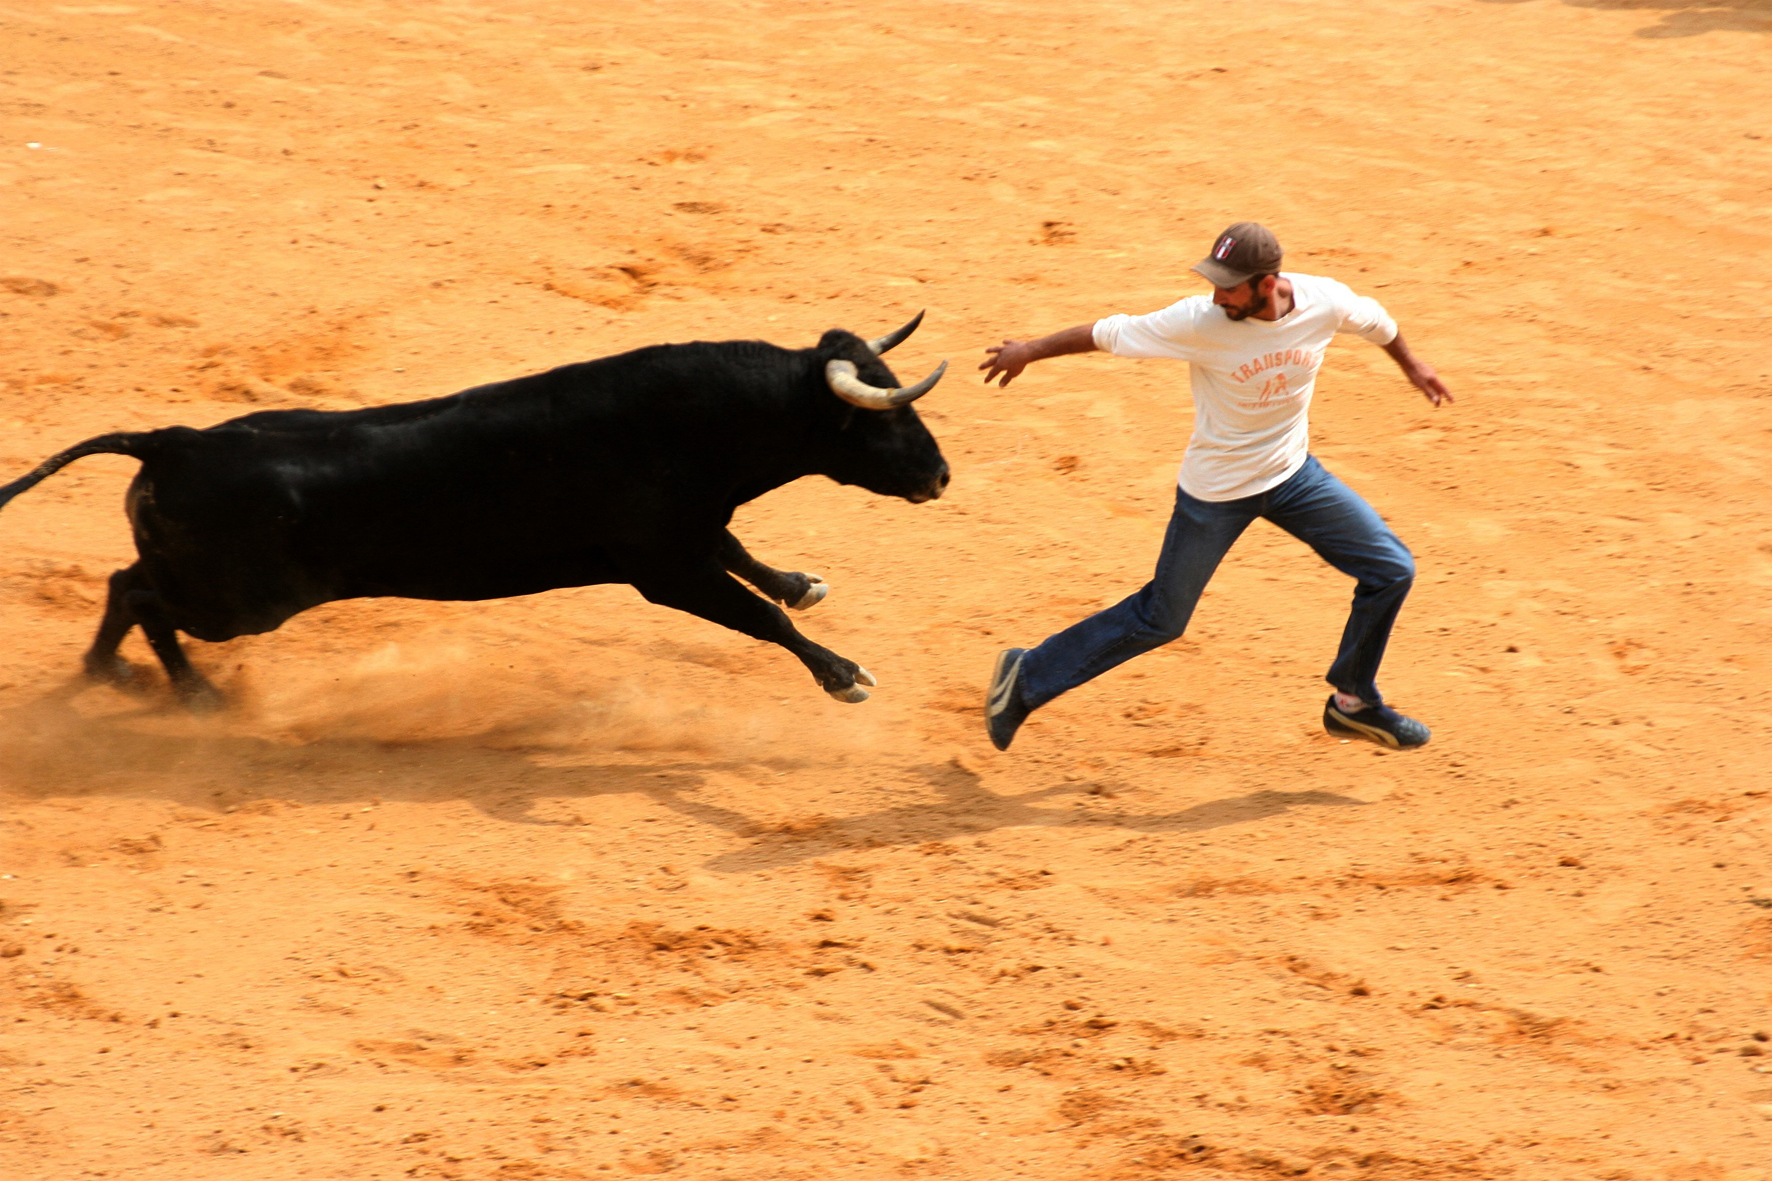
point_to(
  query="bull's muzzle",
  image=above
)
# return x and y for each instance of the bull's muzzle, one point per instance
(933, 489)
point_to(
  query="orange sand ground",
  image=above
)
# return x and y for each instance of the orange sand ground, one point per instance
(574, 886)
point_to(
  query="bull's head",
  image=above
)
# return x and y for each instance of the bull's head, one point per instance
(848, 385)
(882, 444)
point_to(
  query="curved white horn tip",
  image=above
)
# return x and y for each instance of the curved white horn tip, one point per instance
(882, 344)
(911, 393)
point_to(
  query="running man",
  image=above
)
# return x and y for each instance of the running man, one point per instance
(1253, 349)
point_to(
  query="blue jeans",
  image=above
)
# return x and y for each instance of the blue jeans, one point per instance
(1314, 507)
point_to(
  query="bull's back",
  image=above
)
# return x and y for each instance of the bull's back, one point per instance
(497, 491)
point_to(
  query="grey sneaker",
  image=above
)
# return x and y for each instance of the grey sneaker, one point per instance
(1003, 709)
(1375, 723)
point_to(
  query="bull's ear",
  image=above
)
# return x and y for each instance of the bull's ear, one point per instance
(885, 344)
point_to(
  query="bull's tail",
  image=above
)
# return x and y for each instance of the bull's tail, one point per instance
(122, 443)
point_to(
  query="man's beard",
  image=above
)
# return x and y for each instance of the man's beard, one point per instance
(1244, 313)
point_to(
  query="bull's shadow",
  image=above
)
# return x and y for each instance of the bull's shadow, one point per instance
(48, 749)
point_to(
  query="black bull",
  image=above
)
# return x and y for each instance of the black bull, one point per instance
(623, 469)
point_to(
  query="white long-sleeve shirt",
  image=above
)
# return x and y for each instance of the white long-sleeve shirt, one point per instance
(1252, 379)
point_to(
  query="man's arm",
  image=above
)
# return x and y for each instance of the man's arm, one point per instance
(1419, 373)
(1012, 356)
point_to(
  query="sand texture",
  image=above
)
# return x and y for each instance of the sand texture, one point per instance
(574, 886)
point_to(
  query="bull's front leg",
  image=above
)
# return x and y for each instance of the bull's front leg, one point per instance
(705, 589)
(799, 591)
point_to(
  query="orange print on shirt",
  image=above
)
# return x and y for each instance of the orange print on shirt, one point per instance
(1273, 387)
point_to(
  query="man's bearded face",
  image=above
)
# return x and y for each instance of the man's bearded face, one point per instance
(1240, 302)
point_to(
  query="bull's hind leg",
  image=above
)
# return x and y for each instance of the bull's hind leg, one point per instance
(102, 663)
(192, 687)
(708, 591)
(798, 591)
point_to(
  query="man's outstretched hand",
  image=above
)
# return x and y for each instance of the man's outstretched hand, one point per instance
(1421, 375)
(1423, 378)
(1009, 359)
(1012, 356)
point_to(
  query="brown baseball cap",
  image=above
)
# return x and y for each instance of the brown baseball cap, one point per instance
(1243, 250)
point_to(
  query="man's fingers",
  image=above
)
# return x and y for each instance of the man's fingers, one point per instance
(999, 363)
(996, 363)
(1432, 387)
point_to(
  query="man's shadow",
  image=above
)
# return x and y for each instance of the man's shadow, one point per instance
(968, 808)
(49, 749)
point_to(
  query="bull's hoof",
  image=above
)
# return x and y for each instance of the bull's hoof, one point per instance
(115, 671)
(855, 694)
(200, 697)
(814, 594)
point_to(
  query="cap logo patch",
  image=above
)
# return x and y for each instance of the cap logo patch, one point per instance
(1225, 246)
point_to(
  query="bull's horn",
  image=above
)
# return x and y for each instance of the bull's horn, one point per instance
(882, 344)
(852, 389)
